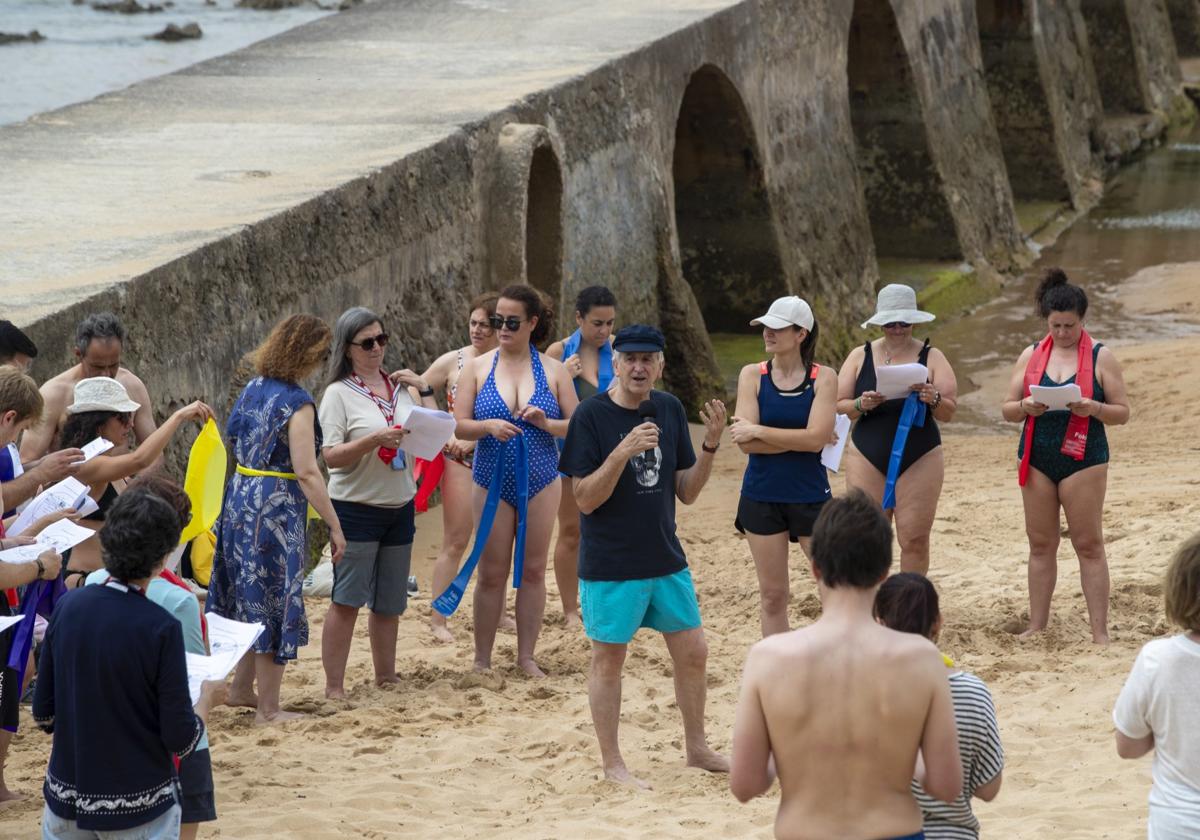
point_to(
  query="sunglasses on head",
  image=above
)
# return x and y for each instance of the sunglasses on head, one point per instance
(368, 344)
(512, 323)
(894, 324)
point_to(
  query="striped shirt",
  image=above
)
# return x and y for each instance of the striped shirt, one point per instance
(982, 760)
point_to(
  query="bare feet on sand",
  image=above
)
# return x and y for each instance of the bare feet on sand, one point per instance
(530, 668)
(7, 796)
(572, 620)
(390, 679)
(271, 718)
(620, 774)
(335, 692)
(249, 701)
(708, 759)
(508, 623)
(441, 633)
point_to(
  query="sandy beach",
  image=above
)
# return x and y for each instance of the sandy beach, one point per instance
(454, 754)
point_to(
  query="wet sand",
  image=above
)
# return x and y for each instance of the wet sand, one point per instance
(453, 754)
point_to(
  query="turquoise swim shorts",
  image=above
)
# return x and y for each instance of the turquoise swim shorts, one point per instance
(613, 610)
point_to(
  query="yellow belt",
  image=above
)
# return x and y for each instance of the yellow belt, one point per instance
(266, 473)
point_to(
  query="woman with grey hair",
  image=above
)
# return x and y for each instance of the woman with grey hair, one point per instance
(372, 488)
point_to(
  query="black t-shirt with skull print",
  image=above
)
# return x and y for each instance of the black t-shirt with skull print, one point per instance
(632, 535)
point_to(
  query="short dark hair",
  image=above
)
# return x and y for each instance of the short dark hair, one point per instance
(536, 305)
(908, 602)
(594, 296)
(1055, 293)
(13, 341)
(168, 491)
(140, 530)
(485, 301)
(852, 542)
(98, 325)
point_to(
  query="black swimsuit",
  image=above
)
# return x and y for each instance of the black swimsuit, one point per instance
(876, 430)
(106, 500)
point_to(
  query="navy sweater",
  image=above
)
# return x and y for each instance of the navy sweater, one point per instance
(112, 687)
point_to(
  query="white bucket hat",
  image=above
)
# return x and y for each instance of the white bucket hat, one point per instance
(102, 393)
(897, 302)
(788, 311)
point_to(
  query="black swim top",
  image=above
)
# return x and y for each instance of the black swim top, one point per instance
(106, 500)
(874, 432)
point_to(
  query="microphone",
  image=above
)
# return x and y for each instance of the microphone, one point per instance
(647, 411)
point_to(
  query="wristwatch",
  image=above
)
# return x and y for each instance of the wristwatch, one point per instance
(706, 448)
(41, 568)
(425, 392)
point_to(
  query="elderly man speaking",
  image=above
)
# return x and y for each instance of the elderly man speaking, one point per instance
(629, 455)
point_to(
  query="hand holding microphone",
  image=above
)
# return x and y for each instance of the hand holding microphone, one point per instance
(644, 437)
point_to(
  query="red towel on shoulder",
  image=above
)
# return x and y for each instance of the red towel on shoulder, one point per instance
(1075, 442)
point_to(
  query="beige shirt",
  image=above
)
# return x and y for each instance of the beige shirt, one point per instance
(346, 416)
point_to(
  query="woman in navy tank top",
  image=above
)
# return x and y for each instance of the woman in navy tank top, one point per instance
(784, 418)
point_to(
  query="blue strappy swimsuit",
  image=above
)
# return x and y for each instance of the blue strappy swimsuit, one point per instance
(543, 454)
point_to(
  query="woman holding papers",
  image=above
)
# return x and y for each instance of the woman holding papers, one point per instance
(262, 543)
(897, 452)
(102, 409)
(784, 418)
(372, 488)
(457, 521)
(1064, 453)
(514, 400)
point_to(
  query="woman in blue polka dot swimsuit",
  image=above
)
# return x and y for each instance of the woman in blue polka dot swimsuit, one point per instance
(515, 390)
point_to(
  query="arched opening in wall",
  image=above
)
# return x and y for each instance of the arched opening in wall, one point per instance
(543, 225)
(910, 216)
(727, 246)
(1185, 25)
(1110, 39)
(1024, 121)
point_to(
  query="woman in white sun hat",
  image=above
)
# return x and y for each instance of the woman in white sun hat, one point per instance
(784, 417)
(909, 484)
(102, 409)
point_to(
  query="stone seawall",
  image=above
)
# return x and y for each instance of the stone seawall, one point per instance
(699, 158)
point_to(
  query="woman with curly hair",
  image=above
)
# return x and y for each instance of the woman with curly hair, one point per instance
(258, 565)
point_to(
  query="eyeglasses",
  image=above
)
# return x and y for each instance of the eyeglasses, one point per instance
(891, 325)
(485, 324)
(512, 323)
(368, 344)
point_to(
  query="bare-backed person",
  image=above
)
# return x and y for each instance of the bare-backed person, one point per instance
(842, 709)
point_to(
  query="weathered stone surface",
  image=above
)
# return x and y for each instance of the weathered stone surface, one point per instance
(173, 32)
(1185, 25)
(1133, 52)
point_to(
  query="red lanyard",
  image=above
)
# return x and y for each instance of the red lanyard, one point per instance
(386, 407)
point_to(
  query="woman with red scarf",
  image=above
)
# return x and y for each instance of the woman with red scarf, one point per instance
(1064, 454)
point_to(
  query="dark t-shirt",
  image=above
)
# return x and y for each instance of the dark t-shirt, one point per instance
(632, 535)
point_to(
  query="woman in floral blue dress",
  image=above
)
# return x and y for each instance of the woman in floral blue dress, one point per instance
(258, 566)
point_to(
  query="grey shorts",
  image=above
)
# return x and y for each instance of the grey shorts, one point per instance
(373, 575)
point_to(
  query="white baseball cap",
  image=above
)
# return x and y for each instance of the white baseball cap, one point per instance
(102, 393)
(788, 311)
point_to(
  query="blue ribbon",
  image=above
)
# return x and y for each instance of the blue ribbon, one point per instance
(448, 601)
(604, 372)
(913, 414)
(41, 596)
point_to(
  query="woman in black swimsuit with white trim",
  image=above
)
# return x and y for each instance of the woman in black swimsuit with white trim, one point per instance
(921, 469)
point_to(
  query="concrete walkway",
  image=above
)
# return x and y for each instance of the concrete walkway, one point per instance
(101, 192)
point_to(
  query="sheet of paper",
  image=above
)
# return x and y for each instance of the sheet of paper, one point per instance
(96, 447)
(228, 640)
(1056, 397)
(60, 536)
(831, 455)
(896, 381)
(65, 494)
(428, 431)
(7, 621)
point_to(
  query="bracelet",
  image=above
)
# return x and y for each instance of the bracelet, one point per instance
(858, 405)
(427, 392)
(41, 568)
(704, 446)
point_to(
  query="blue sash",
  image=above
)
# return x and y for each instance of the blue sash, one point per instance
(913, 414)
(448, 601)
(604, 372)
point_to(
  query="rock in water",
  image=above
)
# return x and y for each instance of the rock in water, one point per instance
(17, 38)
(126, 7)
(269, 5)
(177, 33)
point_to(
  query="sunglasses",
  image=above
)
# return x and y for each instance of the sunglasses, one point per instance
(896, 324)
(368, 344)
(512, 323)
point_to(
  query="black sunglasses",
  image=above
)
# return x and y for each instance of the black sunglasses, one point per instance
(512, 323)
(368, 344)
(901, 324)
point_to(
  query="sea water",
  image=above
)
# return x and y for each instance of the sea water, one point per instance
(87, 52)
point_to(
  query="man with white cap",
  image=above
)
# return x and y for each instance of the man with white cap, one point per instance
(784, 418)
(897, 453)
(99, 342)
(629, 455)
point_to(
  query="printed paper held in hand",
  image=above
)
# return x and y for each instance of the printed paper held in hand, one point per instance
(896, 381)
(68, 493)
(228, 640)
(428, 431)
(831, 455)
(60, 536)
(7, 621)
(1055, 397)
